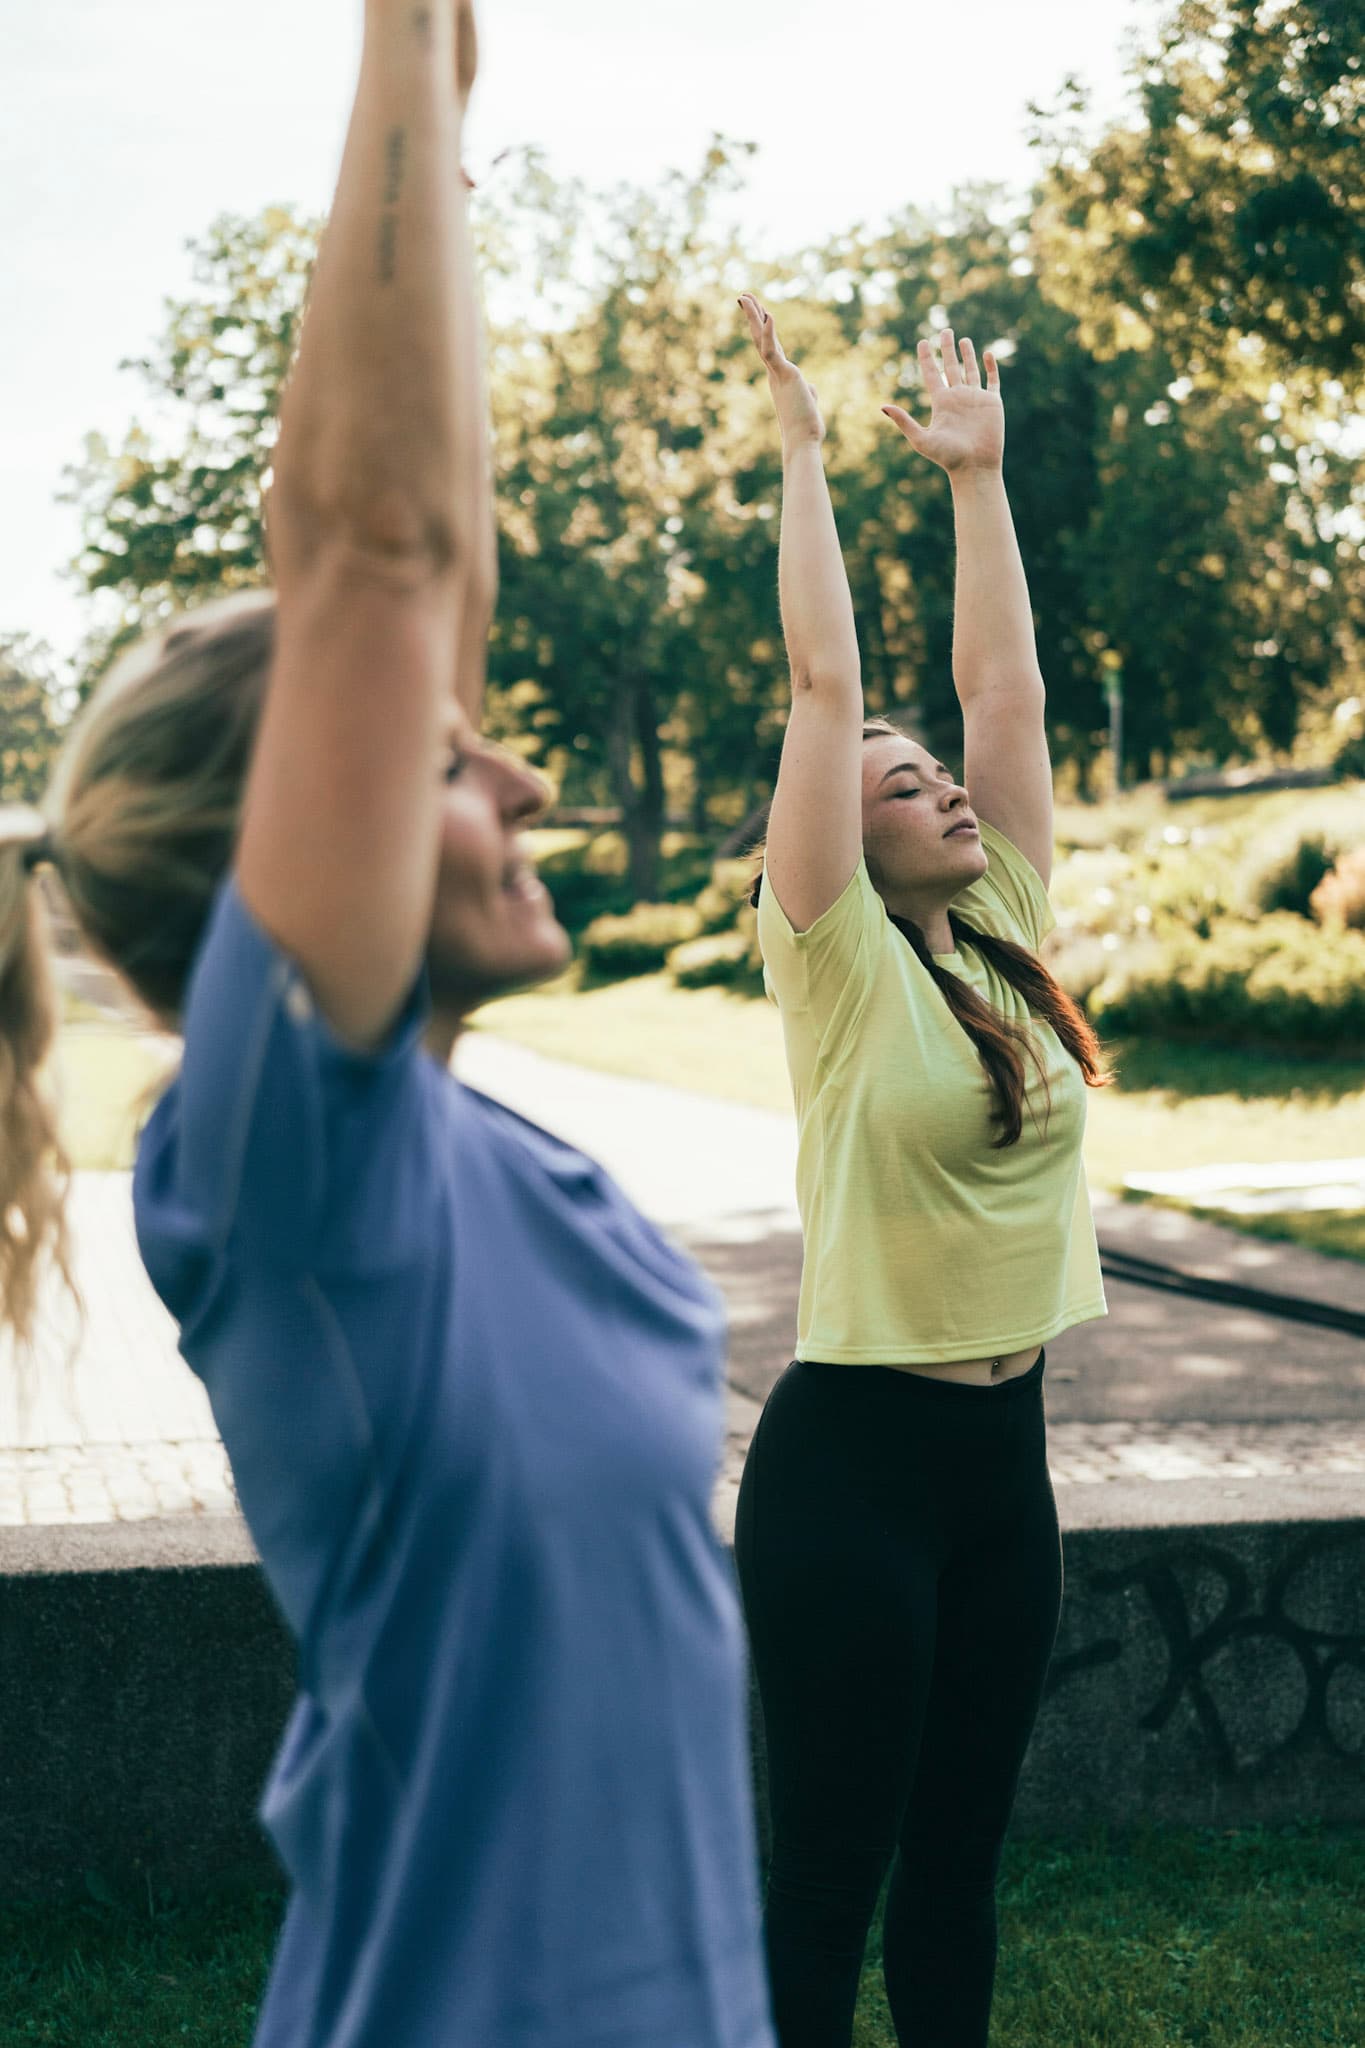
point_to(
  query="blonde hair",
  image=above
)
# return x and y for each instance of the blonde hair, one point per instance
(34, 1169)
(142, 815)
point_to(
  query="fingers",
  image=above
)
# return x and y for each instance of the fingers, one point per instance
(934, 379)
(954, 372)
(912, 430)
(763, 331)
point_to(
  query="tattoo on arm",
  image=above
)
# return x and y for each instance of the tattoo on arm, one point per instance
(395, 164)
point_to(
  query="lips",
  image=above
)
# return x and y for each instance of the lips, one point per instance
(963, 825)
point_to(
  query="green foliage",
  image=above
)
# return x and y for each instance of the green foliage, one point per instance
(1160, 1939)
(1281, 981)
(1231, 214)
(726, 896)
(583, 875)
(727, 959)
(1282, 872)
(639, 942)
(33, 707)
(165, 527)
(1178, 507)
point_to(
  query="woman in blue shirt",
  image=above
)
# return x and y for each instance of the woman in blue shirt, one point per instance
(471, 1398)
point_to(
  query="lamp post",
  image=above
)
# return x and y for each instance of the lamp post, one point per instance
(1111, 662)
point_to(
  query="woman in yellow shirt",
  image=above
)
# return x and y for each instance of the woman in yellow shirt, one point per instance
(896, 1537)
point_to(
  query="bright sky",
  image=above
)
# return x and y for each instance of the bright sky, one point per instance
(127, 125)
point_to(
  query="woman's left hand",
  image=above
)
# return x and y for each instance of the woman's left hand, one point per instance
(966, 427)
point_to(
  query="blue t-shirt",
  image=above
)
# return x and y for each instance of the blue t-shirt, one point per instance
(473, 1405)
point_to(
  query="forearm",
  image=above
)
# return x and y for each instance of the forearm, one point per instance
(817, 609)
(382, 427)
(993, 640)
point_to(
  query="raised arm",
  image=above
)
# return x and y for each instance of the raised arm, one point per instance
(380, 522)
(815, 825)
(1008, 772)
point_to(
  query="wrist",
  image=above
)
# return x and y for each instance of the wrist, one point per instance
(796, 442)
(977, 478)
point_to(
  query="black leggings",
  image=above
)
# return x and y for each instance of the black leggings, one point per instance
(899, 1559)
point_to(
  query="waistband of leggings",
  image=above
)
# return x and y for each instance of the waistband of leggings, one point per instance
(927, 1385)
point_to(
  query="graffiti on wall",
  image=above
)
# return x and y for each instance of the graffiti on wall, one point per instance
(1264, 1670)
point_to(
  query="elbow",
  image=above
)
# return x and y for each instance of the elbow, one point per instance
(830, 680)
(399, 537)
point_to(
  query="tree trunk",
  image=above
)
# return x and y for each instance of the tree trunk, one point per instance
(642, 808)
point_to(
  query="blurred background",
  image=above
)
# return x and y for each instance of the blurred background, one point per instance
(1153, 214)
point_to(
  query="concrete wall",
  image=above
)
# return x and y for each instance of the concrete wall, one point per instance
(145, 1677)
(1210, 1670)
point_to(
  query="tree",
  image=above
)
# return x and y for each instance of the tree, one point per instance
(164, 529)
(34, 704)
(627, 617)
(1230, 216)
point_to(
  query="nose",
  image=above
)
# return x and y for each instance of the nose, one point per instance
(524, 792)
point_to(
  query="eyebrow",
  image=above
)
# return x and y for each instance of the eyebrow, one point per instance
(913, 767)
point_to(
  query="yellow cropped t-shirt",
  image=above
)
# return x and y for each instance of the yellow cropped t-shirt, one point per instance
(922, 1244)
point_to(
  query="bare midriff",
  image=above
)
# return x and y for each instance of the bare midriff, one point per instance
(981, 1372)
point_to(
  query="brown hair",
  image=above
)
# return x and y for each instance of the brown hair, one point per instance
(141, 821)
(1000, 1044)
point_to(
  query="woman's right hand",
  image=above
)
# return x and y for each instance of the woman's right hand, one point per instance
(794, 400)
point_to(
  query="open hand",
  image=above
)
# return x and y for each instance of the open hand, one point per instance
(966, 427)
(795, 402)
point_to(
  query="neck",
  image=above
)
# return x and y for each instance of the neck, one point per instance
(441, 1033)
(931, 917)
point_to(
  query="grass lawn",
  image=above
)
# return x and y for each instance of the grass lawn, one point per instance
(1201, 1106)
(107, 1076)
(1177, 1939)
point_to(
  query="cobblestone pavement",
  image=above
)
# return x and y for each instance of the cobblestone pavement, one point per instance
(138, 1482)
(123, 1431)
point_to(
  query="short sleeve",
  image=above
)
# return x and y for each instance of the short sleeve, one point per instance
(828, 969)
(1010, 900)
(276, 1141)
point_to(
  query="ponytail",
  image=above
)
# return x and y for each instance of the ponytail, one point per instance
(34, 1169)
(1001, 1044)
(144, 801)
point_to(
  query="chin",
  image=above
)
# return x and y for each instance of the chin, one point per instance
(465, 982)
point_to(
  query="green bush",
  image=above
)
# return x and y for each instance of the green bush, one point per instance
(722, 960)
(726, 895)
(1282, 871)
(1282, 981)
(586, 872)
(639, 941)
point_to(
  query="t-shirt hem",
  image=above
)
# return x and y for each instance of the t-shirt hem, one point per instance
(948, 1354)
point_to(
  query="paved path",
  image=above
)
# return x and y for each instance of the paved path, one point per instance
(1166, 1388)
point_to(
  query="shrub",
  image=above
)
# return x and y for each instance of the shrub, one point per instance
(1282, 981)
(639, 941)
(726, 895)
(586, 872)
(723, 960)
(1281, 872)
